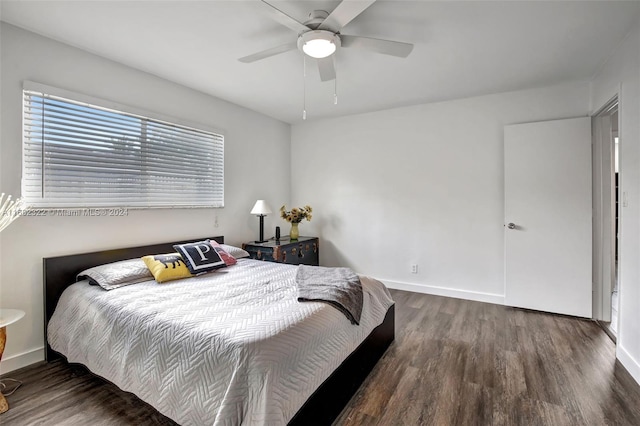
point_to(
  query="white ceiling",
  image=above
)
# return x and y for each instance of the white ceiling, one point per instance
(461, 49)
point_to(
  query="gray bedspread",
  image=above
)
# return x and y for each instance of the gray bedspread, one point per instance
(339, 287)
(230, 348)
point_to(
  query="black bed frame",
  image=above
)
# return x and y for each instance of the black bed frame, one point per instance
(324, 405)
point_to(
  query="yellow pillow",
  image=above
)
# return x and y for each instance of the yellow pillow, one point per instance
(167, 267)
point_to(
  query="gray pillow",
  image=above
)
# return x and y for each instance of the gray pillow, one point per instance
(236, 252)
(117, 274)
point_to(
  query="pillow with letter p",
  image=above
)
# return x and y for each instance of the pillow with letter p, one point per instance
(200, 257)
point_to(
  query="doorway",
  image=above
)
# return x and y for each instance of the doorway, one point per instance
(606, 172)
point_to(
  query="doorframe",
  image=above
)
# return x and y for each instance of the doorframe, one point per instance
(604, 238)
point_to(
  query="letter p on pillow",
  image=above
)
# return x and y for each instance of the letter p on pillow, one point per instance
(200, 257)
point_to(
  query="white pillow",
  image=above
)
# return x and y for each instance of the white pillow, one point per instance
(117, 274)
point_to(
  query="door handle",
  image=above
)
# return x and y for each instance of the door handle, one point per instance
(511, 225)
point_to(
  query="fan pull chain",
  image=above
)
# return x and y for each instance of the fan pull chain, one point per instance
(335, 82)
(304, 87)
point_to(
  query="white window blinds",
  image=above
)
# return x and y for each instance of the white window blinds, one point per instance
(77, 155)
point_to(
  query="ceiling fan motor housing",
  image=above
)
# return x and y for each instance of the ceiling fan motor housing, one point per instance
(316, 18)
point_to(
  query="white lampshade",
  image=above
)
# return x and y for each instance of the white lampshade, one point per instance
(261, 208)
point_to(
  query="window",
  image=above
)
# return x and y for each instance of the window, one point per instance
(80, 152)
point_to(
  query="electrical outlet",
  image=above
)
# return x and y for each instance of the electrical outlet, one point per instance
(414, 269)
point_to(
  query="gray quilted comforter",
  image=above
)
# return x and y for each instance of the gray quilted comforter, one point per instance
(233, 347)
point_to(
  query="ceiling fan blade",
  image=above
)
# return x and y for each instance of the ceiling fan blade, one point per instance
(344, 13)
(387, 47)
(327, 68)
(269, 52)
(284, 19)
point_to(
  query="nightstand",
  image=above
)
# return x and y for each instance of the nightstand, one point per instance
(7, 317)
(303, 251)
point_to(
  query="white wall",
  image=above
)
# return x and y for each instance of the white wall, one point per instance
(621, 75)
(257, 152)
(421, 184)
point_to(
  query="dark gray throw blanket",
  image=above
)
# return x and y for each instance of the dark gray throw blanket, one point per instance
(339, 287)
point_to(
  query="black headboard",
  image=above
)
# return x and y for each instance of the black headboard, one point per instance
(60, 272)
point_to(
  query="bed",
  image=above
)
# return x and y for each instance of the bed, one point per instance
(275, 360)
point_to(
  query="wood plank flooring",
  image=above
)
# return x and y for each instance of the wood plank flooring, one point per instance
(457, 362)
(454, 362)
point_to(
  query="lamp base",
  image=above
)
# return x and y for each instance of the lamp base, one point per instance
(262, 240)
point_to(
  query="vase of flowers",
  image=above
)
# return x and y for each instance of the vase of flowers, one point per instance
(294, 217)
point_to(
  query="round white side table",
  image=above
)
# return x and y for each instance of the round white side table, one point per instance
(7, 316)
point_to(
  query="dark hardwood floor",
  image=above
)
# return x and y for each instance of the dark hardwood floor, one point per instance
(454, 362)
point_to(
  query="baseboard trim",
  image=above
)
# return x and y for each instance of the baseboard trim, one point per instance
(629, 363)
(20, 360)
(445, 291)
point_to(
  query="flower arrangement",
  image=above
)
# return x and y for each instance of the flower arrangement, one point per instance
(9, 210)
(296, 214)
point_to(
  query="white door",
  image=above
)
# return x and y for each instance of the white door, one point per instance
(548, 216)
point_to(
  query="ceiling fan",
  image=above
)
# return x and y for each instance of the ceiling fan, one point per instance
(319, 37)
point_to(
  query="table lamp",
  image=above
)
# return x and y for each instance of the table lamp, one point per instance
(261, 209)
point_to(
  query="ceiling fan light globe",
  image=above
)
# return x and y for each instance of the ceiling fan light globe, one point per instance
(318, 44)
(319, 48)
